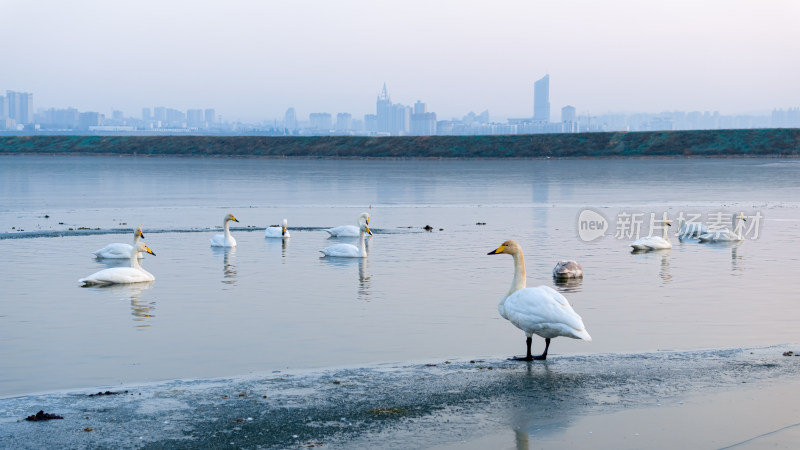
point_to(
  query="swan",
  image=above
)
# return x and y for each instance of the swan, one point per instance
(654, 242)
(122, 275)
(349, 230)
(726, 235)
(691, 229)
(277, 231)
(119, 250)
(568, 269)
(540, 310)
(225, 240)
(349, 250)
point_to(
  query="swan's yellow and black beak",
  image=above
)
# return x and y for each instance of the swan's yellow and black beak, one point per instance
(147, 249)
(369, 232)
(283, 231)
(234, 219)
(498, 250)
(140, 233)
(741, 216)
(668, 224)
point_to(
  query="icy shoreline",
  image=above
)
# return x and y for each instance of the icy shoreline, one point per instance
(412, 406)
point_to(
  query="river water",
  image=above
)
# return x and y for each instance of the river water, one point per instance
(420, 295)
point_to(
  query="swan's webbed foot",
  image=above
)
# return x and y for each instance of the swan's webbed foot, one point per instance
(540, 357)
(521, 358)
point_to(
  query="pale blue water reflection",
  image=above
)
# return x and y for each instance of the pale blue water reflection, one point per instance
(273, 304)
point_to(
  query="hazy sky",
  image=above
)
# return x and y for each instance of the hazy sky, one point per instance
(252, 60)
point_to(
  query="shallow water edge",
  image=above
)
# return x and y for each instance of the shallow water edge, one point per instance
(405, 405)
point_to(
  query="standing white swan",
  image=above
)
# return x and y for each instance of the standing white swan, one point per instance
(122, 275)
(349, 250)
(540, 310)
(118, 250)
(225, 240)
(654, 242)
(726, 235)
(350, 230)
(690, 229)
(277, 231)
(568, 269)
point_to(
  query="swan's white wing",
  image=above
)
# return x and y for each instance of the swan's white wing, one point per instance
(545, 312)
(117, 275)
(342, 250)
(274, 232)
(220, 241)
(116, 250)
(344, 231)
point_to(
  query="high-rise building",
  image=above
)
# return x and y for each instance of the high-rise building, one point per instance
(384, 111)
(2, 107)
(20, 106)
(569, 119)
(210, 116)
(541, 99)
(290, 120)
(194, 118)
(320, 121)
(344, 122)
(146, 116)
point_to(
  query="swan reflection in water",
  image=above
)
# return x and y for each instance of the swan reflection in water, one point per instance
(141, 310)
(228, 263)
(568, 284)
(363, 276)
(284, 244)
(663, 254)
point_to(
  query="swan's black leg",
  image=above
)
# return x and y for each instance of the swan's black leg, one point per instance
(543, 356)
(528, 356)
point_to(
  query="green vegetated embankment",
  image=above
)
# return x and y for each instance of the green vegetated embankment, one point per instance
(703, 143)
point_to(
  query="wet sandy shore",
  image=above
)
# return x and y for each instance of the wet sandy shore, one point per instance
(741, 398)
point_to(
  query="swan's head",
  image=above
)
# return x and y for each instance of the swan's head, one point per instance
(230, 217)
(365, 217)
(668, 223)
(366, 229)
(139, 233)
(509, 247)
(142, 248)
(741, 217)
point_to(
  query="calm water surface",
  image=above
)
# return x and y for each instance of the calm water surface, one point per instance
(271, 305)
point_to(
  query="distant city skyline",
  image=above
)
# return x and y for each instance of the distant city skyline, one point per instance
(251, 61)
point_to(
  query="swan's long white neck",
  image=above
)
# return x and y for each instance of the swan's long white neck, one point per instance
(135, 258)
(519, 273)
(362, 249)
(736, 221)
(665, 232)
(135, 239)
(226, 225)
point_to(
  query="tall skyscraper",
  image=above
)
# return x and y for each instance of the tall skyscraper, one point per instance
(210, 116)
(20, 106)
(541, 99)
(384, 112)
(2, 107)
(290, 120)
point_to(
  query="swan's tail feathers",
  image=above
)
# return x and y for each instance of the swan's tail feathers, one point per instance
(583, 334)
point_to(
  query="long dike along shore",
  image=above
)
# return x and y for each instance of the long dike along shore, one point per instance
(782, 142)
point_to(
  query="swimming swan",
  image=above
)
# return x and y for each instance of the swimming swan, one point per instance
(691, 229)
(119, 250)
(122, 275)
(568, 269)
(726, 235)
(277, 231)
(349, 230)
(540, 310)
(349, 250)
(225, 240)
(654, 242)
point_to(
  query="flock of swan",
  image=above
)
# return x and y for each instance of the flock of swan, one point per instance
(538, 310)
(692, 230)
